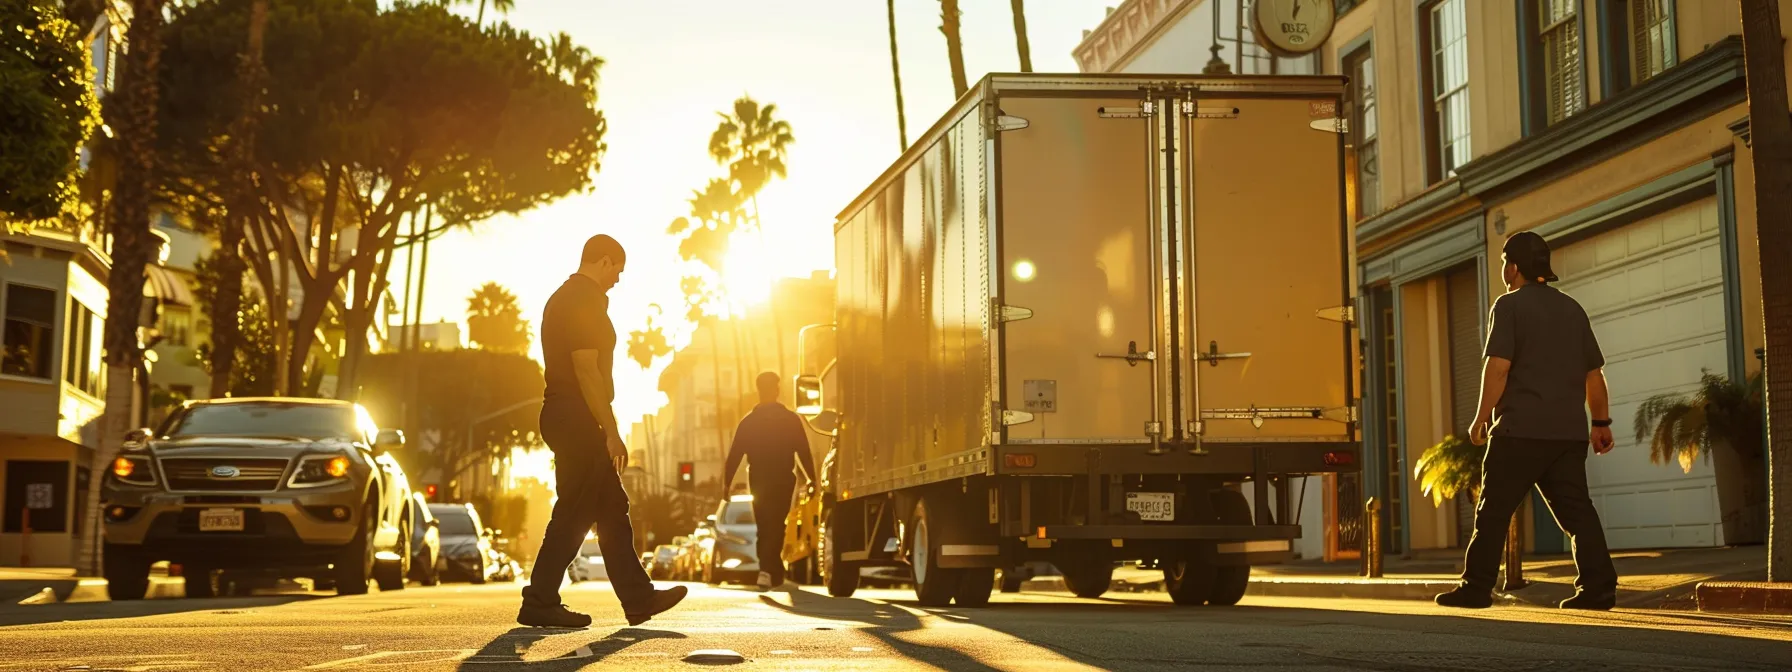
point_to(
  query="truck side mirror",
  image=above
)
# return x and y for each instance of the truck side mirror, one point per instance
(808, 395)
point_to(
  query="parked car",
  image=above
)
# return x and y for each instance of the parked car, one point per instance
(426, 543)
(262, 489)
(588, 565)
(647, 561)
(662, 567)
(467, 552)
(732, 554)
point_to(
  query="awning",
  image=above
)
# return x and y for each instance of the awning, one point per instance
(163, 284)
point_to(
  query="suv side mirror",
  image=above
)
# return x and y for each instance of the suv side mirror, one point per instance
(138, 436)
(808, 395)
(489, 533)
(388, 439)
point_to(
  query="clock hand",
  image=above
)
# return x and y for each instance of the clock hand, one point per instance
(1296, 14)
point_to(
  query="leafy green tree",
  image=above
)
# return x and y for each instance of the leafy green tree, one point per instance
(455, 386)
(495, 320)
(47, 110)
(253, 363)
(649, 342)
(373, 114)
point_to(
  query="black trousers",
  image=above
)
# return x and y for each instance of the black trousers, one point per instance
(590, 494)
(1558, 469)
(771, 503)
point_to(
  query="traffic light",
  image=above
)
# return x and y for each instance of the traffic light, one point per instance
(429, 492)
(687, 477)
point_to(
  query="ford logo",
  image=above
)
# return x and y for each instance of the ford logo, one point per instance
(225, 471)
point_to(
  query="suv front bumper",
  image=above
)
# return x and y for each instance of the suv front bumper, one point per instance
(289, 527)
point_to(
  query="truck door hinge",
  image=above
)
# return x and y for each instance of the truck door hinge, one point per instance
(1005, 313)
(1011, 418)
(1009, 122)
(1345, 314)
(1191, 109)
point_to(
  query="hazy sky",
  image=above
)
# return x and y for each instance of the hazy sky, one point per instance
(670, 65)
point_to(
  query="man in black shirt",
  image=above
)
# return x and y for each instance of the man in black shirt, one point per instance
(578, 344)
(1544, 369)
(772, 439)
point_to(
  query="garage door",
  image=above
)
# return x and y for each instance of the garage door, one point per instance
(1654, 290)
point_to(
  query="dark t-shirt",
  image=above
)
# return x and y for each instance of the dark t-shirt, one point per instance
(1550, 342)
(576, 318)
(772, 440)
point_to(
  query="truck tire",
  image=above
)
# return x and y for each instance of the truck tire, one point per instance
(842, 577)
(200, 580)
(354, 563)
(1087, 577)
(389, 574)
(1230, 582)
(974, 586)
(1190, 579)
(935, 586)
(127, 573)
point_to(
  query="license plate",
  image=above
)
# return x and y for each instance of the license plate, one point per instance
(1152, 505)
(221, 520)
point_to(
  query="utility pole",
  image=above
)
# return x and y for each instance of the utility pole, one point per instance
(1770, 133)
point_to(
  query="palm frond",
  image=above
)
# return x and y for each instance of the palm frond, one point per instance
(1452, 466)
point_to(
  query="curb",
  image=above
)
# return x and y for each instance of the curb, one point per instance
(1745, 597)
(90, 590)
(1350, 588)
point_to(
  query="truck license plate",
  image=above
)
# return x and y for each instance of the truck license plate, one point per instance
(1152, 505)
(221, 520)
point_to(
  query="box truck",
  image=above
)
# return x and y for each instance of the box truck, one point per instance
(1073, 321)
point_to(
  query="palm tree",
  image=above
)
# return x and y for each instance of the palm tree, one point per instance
(896, 72)
(495, 320)
(225, 325)
(1020, 35)
(131, 114)
(649, 342)
(572, 61)
(753, 142)
(949, 16)
(1770, 133)
(503, 7)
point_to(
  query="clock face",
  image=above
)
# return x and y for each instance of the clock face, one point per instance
(1292, 27)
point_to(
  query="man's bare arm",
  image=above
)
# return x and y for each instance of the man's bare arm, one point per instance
(595, 386)
(1599, 403)
(1493, 386)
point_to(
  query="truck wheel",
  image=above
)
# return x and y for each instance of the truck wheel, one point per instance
(934, 585)
(1230, 582)
(354, 563)
(974, 586)
(1087, 577)
(201, 581)
(1190, 579)
(842, 577)
(127, 573)
(389, 574)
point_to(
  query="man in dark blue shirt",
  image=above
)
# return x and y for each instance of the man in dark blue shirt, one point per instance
(578, 345)
(1544, 370)
(772, 439)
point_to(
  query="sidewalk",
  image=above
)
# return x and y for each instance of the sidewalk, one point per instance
(43, 585)
(1660, 579)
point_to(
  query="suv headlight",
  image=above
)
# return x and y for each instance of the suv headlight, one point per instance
(133, 470)
(316, 470)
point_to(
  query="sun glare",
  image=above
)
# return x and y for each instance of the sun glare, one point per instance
(748, 270)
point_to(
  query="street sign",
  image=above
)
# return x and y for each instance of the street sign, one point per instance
(40, 495)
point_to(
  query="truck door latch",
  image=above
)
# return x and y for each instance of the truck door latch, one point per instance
(1213, 354)
(1132, 356)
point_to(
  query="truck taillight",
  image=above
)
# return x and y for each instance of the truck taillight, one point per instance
(1020, 460)
(1340, 459)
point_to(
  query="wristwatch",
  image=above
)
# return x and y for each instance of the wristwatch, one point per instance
(1603, 423)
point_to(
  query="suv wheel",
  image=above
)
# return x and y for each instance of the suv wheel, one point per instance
(389, 574)
(354, 563)
(127, 573)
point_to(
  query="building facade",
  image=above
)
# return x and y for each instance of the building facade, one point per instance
(1617, 129)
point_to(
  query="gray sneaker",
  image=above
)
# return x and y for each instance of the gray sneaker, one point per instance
(765, 581)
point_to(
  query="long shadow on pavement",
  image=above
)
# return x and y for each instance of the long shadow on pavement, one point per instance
(886, 623)
(510, 647)
(19, 614)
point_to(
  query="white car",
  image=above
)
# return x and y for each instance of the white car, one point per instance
(588, 565)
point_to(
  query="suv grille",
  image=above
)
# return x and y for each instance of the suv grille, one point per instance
(197, 473)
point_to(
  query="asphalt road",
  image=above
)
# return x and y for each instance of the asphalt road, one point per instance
(460, 627)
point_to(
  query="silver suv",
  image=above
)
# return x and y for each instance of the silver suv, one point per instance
(287, 488)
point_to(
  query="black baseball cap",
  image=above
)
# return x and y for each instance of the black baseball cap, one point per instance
(1531, 253)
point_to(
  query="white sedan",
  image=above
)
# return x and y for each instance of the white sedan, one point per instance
(588, 565)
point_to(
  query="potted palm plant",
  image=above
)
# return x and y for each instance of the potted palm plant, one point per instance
(1722, 422)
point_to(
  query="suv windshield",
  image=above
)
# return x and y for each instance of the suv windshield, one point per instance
(308, 421)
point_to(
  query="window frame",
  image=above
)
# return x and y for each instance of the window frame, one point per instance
(96, 334)
(53, 367)
(1534, 32)
(1617, 48)
(1350, 59)
(1429, 98)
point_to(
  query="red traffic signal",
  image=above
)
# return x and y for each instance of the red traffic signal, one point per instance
(429, 492)
(687, 477)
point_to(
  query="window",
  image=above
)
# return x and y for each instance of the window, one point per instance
(1652, 47)
(1445, 39)
(1360, 113)
(1558, 38)
(28, 341)
(177, 326)
(83, 367)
